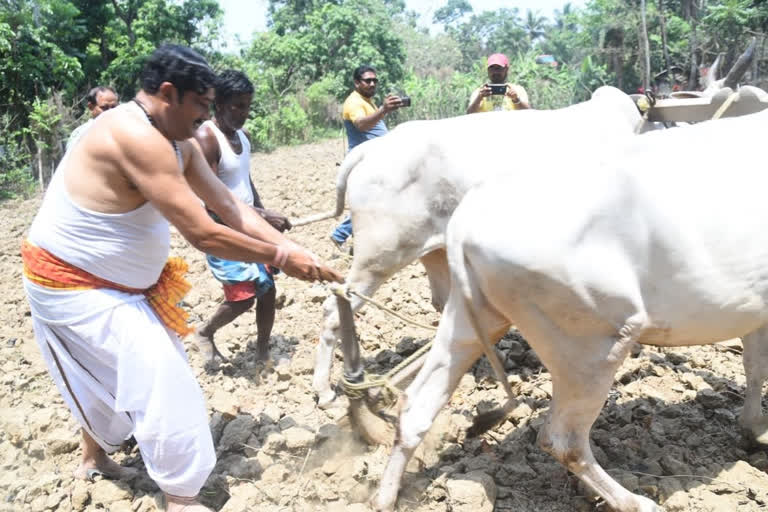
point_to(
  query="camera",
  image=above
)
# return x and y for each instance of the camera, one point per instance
(405, 101)
(498, 88)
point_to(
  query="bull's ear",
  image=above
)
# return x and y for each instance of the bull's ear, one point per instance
(741, 66)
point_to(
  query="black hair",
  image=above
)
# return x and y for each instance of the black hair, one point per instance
(361, 70)
(231, 82)
(94, 93)
(186, 69)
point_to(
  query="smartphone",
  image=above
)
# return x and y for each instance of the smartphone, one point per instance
(498, 88)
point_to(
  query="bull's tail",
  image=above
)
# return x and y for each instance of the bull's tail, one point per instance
(464, 280)
(350, 162)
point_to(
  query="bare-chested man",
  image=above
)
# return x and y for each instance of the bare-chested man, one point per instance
(227, 149)
(103, 298)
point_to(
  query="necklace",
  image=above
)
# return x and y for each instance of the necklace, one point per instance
(152, 120)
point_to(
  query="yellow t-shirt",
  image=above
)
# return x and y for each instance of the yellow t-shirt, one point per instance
(498, 101)
(356, 106)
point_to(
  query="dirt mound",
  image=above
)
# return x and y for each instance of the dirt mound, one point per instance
(668, 429)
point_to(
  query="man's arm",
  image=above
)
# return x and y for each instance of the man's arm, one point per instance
(276, 220)
(256, 198)
(477, 98)
(151, 165)
(518, 96)
(366, 123)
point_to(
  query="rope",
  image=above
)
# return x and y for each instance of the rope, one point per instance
(346, 291)
(389, 394)
(727, 103)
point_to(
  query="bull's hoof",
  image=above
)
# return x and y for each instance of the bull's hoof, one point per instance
(325, 398)
(757, 432)
(381, 504)
(646, 505)
(372, 427)
(759, 437)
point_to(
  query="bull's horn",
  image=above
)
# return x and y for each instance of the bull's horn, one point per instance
(741, 66)
(711, 77)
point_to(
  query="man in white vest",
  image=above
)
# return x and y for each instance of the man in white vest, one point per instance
(227, 149)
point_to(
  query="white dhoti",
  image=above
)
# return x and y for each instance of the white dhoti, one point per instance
(123, 373)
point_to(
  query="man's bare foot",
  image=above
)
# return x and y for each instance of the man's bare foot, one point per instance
(262, 351)
(212, 358)
(181, 504)
(102, 465)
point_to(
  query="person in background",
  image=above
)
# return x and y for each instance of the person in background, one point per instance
(363, 121)
(227, 149)
(488, 98)
(100, 99)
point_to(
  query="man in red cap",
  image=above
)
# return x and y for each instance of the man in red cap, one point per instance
(497, 94)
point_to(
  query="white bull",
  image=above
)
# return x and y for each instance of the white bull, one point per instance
(405, 187)
(664, 243)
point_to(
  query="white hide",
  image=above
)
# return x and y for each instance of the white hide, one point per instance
(403, 188)
(663, 242)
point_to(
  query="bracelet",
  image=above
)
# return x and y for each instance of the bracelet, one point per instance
(281, 256)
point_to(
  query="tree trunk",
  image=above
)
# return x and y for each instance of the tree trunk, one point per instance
(756, 61)
(693, 71)
(645, 48)
(128, 15)
(665, 49)
(40, 168)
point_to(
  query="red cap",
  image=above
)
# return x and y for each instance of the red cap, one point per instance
(498, 59)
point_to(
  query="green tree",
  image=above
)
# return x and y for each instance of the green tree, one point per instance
(451, 12)
(535, 25)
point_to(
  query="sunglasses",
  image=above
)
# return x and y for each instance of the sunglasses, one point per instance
(370, 81)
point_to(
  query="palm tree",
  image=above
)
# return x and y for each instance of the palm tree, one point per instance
(535, 25)
(561, 17)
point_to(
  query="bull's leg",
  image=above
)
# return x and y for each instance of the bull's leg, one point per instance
(756, 370)
(439, 274)
(582, 372)
(369, 270)
(321, 380)
(454, 350)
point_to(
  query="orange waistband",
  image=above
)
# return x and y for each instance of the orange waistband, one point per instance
(43, 268)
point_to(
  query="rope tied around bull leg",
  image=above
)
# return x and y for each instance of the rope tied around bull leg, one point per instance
(388, 393)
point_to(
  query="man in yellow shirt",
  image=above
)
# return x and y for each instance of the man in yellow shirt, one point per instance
(363, 121)
(488, 98)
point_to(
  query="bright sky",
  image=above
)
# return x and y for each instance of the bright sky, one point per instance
(243, 17)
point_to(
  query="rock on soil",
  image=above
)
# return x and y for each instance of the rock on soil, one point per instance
(667, 430)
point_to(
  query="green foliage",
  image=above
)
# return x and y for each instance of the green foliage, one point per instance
(433, 98)
(451, 12)
(16, 176)
(328, 39)
(726, 21)
(288, 125)
(53, 51)
(490, 32)
(436, 56)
